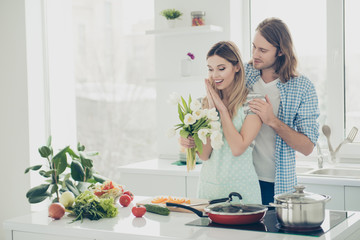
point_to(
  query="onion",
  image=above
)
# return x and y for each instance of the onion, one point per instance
(56, 211)
(67, 199)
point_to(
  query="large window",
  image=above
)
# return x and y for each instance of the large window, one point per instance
(115, 105)
(311, 24)
(352, 63)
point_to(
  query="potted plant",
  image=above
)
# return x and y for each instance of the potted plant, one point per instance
(171, 15)
(67, 170)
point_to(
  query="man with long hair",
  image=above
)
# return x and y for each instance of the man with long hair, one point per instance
(289, 114)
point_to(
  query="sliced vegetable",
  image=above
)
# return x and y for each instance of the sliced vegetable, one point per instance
(170, 199)
(157, 209)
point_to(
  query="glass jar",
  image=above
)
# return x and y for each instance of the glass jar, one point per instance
(198, 18)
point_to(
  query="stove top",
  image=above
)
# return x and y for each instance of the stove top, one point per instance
(270, 224)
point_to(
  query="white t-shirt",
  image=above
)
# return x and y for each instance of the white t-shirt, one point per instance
(264, 151)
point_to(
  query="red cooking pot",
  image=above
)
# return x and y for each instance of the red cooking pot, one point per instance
(229, 213)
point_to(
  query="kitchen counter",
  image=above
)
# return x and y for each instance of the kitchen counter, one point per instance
(165, 167)
(152, 226)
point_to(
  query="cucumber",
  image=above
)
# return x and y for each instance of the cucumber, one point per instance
(157, 209)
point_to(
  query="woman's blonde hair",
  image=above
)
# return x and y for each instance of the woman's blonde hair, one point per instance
(277, 34)
(230, 52)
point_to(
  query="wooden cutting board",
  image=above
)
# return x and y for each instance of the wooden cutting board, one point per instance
(200, 204)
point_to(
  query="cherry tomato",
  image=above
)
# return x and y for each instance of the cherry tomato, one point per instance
(138, 211)
(125, 200)
(130, 194)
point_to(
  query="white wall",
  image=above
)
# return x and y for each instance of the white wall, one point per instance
(14, 126)
(25, 83)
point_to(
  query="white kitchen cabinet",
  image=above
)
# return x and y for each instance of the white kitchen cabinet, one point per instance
(17, 235)
(153, 185)
(191, 186)
(337, 201)
(352, 197)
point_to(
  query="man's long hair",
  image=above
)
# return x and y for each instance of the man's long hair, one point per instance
(277, 33)
(230, 52)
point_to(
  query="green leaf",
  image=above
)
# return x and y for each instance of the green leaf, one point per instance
(88, 163)
(71, 187)
(181, 113)
(46, 173)
(66, 177)
(198, 143)
(99, 178)
(34, 168)
(93, 153)
(60, 161)
(80, 147)
(38, 190)
(187, 109)
(89, 173)
(83, 186)
(184, 133)
(37, 199)
(54, 188)
(72, 154)
(77, 171)
(189, 100)
(45, 151)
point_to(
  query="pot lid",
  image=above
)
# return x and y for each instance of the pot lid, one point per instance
(301, 196)
(228, 208)
(231, 207)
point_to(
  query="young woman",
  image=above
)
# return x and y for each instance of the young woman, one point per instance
(230, 168)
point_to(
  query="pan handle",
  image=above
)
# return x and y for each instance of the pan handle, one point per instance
(194, 210)
(218, 200)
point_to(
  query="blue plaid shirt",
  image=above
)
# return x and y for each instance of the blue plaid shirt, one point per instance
(299, 110)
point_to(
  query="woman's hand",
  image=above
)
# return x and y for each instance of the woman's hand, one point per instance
(209, 97)
(214, 96)
(187, 142)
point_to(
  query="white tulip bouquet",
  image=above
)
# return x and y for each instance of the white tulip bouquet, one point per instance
(198, 123)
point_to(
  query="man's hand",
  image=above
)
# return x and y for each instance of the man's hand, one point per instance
(263, 109)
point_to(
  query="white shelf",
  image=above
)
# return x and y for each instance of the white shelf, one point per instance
(186, 30)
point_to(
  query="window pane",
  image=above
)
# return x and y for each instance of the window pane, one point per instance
(115, 103)
(352, 63)
(309, 37)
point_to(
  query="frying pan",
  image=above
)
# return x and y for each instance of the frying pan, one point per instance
(229, 213)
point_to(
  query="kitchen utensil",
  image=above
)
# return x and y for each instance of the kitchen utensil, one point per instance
(300, 209)
(196, 203)
(349, 139)
(327, 131)
(229, 213)
(320, 157)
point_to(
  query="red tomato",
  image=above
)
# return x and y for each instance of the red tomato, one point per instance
(125, 200)
(99, 194)
(138, 211)
(130, 194)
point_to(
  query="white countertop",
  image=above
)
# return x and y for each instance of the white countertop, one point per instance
(165, 167)
(153, 226)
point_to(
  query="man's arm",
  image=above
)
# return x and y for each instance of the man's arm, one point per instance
(298, 141)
